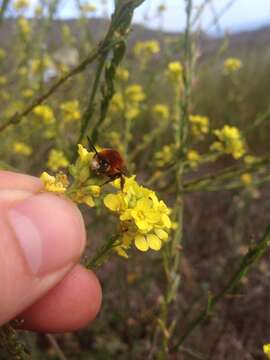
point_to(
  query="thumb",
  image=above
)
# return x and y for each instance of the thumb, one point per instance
(41, 238)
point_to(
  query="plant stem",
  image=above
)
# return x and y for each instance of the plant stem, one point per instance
(10, 345)
(254, 254)
(171, 254)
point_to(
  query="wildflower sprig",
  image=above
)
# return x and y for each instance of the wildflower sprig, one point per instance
(143, 219)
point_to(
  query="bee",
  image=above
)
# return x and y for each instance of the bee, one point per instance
(108, 162)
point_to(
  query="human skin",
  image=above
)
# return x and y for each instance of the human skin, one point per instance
(42, 237)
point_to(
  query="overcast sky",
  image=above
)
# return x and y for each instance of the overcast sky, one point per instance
(241, 15)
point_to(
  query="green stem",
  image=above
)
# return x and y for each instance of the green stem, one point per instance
(10, 346)
(102, 253)
(253, 255)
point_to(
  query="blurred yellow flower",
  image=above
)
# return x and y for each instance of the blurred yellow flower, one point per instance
(145, 49)
(134, 93)
(122, 74)
(2, 54)
(57, 160)
(71, 110)
(143, 217)
(24, 26)
(230, 142)
(193, 157)
(165, 155)
(27, 93)
(21, 4)
(22, 149)
(175, 70)
(3, 80)
(266, 350)
(45, 112)
(249, 159)
(246, 179)
(161, 111)
(199, 125)
(232, 65)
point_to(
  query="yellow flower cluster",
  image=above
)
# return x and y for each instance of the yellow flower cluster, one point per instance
(37, 65)
(144, 219)
(122, 74)
(128, 103)
(57, 184)
(175, 71)
(27, 93)
(232, 65)
(85, 186)
(57, 160)
(3, 80)
(246, 179)
(193, 157)
(230, 142)
(199, 125)
(145, 49)
(161, 111)
(24, 26)
(266, 350)
(165, 155)
(45, 113)
(22, 149)
(20, 4)
(71, 110)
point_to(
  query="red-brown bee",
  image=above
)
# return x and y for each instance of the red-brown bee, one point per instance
(108, 162)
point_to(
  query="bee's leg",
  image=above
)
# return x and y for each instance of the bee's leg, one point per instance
(122, 182)
(112, 178)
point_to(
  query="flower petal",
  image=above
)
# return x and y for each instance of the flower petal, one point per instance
(141, 243)
(154, 242)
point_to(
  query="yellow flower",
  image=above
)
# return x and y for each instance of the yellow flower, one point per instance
(22, 148)
(230, 142)
(165, 155)
(2, 54)
(161, 111)
(249, 159)
(45, 113)
(3, 80)
(134, 93)
(266, 350)
(175, 70)
(27, 93)
(24, 25)
(199, 125)
(57, 160)
(193, 157)
(20, 4)
(143, 217)
(246, 179)
(71, 110)
(232, 65)
(145, 49)
(57, 184)
(122, 74)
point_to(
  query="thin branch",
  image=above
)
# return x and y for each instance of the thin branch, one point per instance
(17, 117)
(255, 253)
(56, 347)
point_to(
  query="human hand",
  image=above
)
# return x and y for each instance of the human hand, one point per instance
(41, 239)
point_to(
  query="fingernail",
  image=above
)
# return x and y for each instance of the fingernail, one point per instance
(49, 230)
